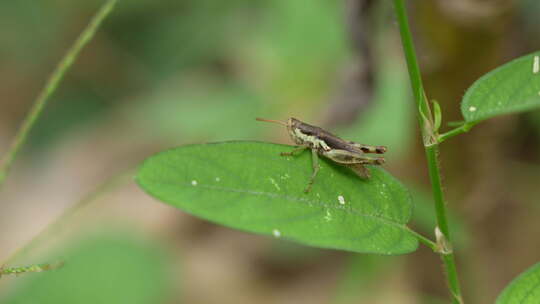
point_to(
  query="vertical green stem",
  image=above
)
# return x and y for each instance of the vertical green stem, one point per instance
(432, 149)
(50, 87)
(410, 55)
(446, 253)
(436, 187)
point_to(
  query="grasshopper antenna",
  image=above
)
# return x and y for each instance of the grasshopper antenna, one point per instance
(272, 121)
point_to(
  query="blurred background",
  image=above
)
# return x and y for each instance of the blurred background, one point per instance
(160, 74)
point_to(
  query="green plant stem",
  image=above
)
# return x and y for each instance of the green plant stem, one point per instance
(447, 255)
(412, 64)
(431, 149)
(436, 187)
(59, 223)
(50, 87)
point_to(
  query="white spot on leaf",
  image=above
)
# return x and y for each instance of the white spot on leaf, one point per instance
(218, 179)
(472, 108)
(194, 183)
(341, 200)
(276, 233)
(536, 65)
(328, 216)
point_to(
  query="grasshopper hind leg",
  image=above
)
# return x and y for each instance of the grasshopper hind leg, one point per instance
(345, 157)
(360, 170)
(368, 148)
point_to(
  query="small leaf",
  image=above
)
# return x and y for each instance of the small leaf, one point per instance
(437, 115)
(525, 289)
(513, 87)
(249, 186)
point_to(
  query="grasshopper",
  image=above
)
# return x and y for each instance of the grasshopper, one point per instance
(322, 142)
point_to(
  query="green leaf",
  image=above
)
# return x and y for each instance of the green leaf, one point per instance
(525, 289)
(249, 186)
(513, 87)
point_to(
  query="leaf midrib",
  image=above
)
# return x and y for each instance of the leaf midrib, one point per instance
(322, 204)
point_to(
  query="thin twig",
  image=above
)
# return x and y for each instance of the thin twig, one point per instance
(456, 131)
(51, 85)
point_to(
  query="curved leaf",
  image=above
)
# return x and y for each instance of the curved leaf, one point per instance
(249, 186)
(525, 289)
(513, 87)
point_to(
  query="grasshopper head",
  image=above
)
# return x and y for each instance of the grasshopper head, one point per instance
(292, 123)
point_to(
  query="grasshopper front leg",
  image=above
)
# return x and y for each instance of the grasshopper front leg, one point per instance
(294, 151)
(314, 163)
(316, 167)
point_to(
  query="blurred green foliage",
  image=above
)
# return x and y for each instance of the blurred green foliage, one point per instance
(423, 219)
(389, 120)
(75, 106)
(198, 111)
(192, 66)
(116, 268)
(186, 71)
(361, 274)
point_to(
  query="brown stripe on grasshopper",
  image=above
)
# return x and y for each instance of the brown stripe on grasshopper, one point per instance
(322, 142)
